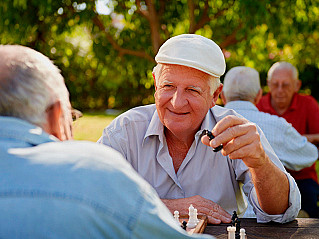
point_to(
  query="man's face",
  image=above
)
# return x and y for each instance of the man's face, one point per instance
(182, 98)
(282, 87)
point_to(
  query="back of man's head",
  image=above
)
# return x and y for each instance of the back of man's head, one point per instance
(241, 83)
(29, 84)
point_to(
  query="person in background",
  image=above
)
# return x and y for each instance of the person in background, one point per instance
(54, 187)
(164, 141)
(303, 113)
(241, 92)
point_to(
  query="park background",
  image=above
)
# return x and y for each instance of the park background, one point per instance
(105, 49)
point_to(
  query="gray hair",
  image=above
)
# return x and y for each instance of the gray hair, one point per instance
(214, 82)
(30, 84)
(282, 65)
(241, 83)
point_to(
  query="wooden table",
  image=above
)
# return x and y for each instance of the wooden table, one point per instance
(300, 228)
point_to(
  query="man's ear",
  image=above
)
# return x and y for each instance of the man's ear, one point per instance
(154, 81)
(222, 96)
(53, 113)
(298, 85)
(216, 94)
(258, 96)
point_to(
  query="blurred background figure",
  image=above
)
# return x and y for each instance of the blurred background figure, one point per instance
(302, 112)
(241, 92)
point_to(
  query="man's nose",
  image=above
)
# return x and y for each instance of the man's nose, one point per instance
(280, 87)
(178, 99)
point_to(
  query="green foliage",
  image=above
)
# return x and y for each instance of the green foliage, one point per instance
(107, 60)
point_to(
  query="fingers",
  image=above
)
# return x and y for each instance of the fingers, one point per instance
(217, 214)
(240, 140)
(214, 212)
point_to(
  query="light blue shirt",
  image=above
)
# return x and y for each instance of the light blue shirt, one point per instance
(293, 149)
(139, 135)
(73, 189)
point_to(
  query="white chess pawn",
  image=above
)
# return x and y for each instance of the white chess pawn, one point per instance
(231, 232)
(192, 223)
(176, 216)
(242, 233)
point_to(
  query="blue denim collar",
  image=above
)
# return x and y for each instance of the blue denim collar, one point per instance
(18, 129)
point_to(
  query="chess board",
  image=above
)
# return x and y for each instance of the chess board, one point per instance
(200, 226)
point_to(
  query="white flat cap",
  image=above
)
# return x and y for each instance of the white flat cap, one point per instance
(193, 51)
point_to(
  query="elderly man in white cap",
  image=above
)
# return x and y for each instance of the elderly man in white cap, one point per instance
(164, 142)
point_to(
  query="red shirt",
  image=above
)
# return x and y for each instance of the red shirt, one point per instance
(303, 114)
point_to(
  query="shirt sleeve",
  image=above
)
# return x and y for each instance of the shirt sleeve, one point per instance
(297, 152)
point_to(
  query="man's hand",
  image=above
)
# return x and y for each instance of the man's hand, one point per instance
(240, 140)
(215, 213)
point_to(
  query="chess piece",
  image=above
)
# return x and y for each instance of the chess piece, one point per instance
(196, 214)
(242, 233)
(231, 232)
(184, 225)
(237, 225)
(192, 223)
(234, 218)
(176, 216)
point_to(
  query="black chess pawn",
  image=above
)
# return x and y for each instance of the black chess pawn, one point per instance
(234, 218)
(237, 233)
(184, 225)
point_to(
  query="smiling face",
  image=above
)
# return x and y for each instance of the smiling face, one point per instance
(282, 86)
(183, 98)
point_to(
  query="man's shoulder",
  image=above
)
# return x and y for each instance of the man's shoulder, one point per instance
(306, 99)
(82, 154)
(138, 114)
(220, 112)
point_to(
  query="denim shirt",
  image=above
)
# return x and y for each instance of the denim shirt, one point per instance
(74, 189)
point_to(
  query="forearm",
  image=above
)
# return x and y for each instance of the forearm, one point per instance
(272, 188)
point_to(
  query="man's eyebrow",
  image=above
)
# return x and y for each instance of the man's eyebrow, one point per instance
(166, 82)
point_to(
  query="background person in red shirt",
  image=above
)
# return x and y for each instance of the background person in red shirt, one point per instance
(302, 112)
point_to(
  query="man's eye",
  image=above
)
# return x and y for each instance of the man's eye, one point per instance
(194, 91)
(167, 86)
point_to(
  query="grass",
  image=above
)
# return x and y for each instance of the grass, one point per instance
(90, 126)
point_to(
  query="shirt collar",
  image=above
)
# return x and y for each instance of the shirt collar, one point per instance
(155, 127)
(293, 105)
(268, 107)
(18, 129)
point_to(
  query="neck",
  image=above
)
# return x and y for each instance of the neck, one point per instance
(278, 109)
(178, 147)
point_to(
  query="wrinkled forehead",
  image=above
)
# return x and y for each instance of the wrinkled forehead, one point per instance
(169, 71)
(282, 75)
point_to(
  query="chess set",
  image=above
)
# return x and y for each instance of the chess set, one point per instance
(194, 223)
